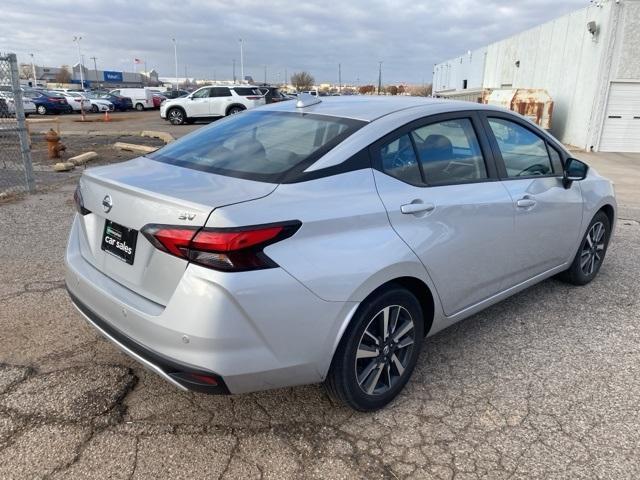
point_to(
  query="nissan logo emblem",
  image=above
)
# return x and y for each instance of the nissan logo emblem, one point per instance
(107, 203)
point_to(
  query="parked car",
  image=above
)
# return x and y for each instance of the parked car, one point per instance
(99, 104)
(142, 98)
(9, 108)
(322, 240)
(175, 93)
(77, 101)
(48, 102)
(158, 99)
(273, 94)
(207, 102)
(120, 103)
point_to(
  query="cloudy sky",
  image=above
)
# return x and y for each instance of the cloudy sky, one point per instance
(408, 36)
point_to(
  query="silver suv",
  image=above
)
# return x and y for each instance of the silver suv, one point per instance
(211, 102)
(322, 240)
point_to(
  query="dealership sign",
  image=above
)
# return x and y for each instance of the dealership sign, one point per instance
(112, 76)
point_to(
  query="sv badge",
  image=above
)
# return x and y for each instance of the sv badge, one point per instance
(186, 216)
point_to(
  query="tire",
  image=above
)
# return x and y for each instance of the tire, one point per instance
(372, 381)
(590, 255)
(139, 107)
(41, 109)
(176, 116)
(235, 109)
(94, 108)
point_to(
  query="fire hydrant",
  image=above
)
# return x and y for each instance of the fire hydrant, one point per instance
(54, 144)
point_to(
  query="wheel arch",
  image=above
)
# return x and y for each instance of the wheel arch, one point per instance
(233, 105)
(609, 212)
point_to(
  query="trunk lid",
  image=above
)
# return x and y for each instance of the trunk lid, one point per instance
(143, 191)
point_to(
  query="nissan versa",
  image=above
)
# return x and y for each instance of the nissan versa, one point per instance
(322, 240)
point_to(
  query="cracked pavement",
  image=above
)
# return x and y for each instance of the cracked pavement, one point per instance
(543, 385)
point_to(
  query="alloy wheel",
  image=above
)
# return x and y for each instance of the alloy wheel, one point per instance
(176, 117)
(384, 350)
(593, 249)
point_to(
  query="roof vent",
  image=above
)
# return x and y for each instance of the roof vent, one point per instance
(306, 100)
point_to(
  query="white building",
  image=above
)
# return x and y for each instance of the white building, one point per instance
(588, 61)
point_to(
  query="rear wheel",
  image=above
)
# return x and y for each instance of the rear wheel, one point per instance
(176, 116)
(590, 255)
(234, 110)
(94, 108)
(378, 351)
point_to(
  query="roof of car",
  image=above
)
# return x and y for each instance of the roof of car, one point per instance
(371, 107)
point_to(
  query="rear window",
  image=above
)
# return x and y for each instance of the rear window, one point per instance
(259, 145)
(244, 91)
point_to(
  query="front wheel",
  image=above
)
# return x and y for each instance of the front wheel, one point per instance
(234, 110)
(176, 116)
(41, 109)
(94, 108)
(139, 107)
(378, 351)
(588, 260)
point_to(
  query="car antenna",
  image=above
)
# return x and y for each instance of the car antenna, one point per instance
(306, 100)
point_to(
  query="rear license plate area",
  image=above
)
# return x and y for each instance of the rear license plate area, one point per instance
(119, 241)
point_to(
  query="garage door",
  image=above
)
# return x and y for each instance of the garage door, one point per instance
(621, 130)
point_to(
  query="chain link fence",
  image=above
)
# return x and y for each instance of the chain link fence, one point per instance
(16, 171)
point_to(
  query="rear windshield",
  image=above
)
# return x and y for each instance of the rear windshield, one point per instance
(244, 91)
(259, 145)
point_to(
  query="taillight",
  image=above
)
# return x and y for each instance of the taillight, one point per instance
(77, 199)
(254, 98)
(226, 249)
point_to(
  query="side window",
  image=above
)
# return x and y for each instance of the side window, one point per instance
(115, 92)
(399, 160)
(204, 93)
(556, 159)
(524, 153)
(220, 92)
(449, 152)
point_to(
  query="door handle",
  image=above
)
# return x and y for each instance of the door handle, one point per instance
(417, 207)
(525, 202)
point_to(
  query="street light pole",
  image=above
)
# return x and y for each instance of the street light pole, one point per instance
(175, 57)
(265, 74)
(379, 77)
(241, 61)
(77, 40)
(339, 78)
(33, 69)
(95, 68)
(234, 70)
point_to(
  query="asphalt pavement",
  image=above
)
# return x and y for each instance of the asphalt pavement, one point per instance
(543, 385)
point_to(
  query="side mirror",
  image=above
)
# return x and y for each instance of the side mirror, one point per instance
(574, 171)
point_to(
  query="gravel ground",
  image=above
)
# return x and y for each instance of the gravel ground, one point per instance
(543, 385)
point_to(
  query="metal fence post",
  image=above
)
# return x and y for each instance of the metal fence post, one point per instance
(22, 124)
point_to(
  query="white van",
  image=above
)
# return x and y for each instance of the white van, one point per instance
(140, 97)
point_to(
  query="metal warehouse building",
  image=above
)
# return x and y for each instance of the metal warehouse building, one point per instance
(588, 61)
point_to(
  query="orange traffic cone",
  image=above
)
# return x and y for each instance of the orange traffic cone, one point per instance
(106, 116)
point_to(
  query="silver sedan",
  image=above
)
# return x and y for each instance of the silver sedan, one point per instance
(322, 240)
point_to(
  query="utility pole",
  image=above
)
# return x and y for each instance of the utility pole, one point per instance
(95, 67)
(339, 78)
(175, 56)
(265, 74)
(33, 69)
(77, 40)
(379, 77)
(241, 61)
(234, 70)
(286, 77)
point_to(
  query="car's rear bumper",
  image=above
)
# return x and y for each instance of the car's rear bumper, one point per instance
(252, 330)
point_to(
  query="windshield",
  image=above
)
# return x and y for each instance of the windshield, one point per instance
(259, 145)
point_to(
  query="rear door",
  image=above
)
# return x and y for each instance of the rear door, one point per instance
(548, 216)
(220, 99)
(439, 185)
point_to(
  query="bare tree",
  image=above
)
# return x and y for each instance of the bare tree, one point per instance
(365, 89)
(25, 71)
(302, 80)
(391, 90)
(63, 76)
(419, 91)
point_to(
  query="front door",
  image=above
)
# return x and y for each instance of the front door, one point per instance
(199, 104)
(438, 184)
(548, 216)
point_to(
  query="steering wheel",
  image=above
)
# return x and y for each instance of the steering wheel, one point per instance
(398, 160)
(535, 169)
